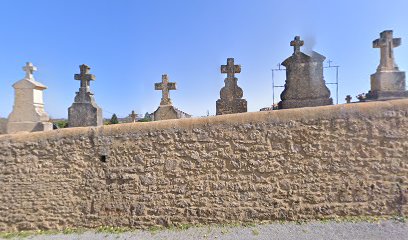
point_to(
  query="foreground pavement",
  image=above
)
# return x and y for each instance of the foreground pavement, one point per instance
(386, 229)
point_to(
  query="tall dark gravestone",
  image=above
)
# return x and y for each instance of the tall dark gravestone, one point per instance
(305, 85)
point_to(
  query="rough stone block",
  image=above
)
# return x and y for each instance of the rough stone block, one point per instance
(84, 114)
(388, 81)
(230, 107)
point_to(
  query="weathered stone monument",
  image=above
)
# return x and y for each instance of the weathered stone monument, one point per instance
(388, 82)
(231, 95)
(348, 99)
(166, 110)
(28, 113)
(84, 111)
(133, 116)
(305, 85)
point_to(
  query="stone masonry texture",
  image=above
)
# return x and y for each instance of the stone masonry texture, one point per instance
(309, 163)
(3, 125)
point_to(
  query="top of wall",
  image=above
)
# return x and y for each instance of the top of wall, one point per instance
(364, 109)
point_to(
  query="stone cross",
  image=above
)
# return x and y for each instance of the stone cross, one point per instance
(296, 43)
(133, 115)
(29, 68)
(84, 76)
(386, 43)
(165, 86)
(230, 69)
(348, 99)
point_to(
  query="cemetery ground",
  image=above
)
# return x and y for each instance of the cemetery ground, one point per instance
(372, 228)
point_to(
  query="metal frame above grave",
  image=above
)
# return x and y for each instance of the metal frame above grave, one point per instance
(282, 68)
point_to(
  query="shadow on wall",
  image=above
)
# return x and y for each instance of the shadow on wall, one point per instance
(3, 125)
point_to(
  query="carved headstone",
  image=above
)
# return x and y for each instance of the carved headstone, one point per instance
(28, 113)
(388, 82)
(166, 110)
(348, 99)
(305, 85)
(231, 95)
(84, 111)
(133, 116)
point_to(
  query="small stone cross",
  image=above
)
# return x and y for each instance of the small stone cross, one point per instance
(348, 99)
(386, 43)
(165, 86)
(230, 69)
(29, 68)
(133, 115)
(84, 76)
(296, 43)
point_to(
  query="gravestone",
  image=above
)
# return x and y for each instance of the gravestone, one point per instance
(28, 113)
(166, 110)
(388, 82)
(133, 116)
(231, 95)
(305, 85)
(348, 99)
(84, 111)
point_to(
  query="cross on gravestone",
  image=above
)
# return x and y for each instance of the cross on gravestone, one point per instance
(84, 76)
(133, 115)
(165, 86)
(230, 69)
(386, 43)
(296, 43)
(348, 99)
(29, 68)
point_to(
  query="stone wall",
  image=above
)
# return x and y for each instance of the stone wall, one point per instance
(310, 163)
(3, 125)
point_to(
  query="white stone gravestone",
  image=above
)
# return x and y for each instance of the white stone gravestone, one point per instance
(388, 82)
(28, 113)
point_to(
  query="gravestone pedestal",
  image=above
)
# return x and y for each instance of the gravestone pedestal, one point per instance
(28, 113)
(305, 85)
(165, 112)
(84, 111)
(229, 107)
(388, 82)
(387, 85)
(231, 94)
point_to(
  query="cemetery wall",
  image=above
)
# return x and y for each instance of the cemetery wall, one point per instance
(310, 163)
(3, 125)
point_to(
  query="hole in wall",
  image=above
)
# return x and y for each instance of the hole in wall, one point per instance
(103, 158)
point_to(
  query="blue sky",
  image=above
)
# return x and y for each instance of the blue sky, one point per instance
(130, 44)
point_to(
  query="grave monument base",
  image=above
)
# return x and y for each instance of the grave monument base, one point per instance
(387, 85)
(305, 103)
(84, 114)
(15, 127)
(229, 107)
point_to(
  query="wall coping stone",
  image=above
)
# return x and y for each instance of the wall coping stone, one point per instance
(363, 109)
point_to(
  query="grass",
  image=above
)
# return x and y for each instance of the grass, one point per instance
(113, 230)
(25, 234)
(255, 232)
